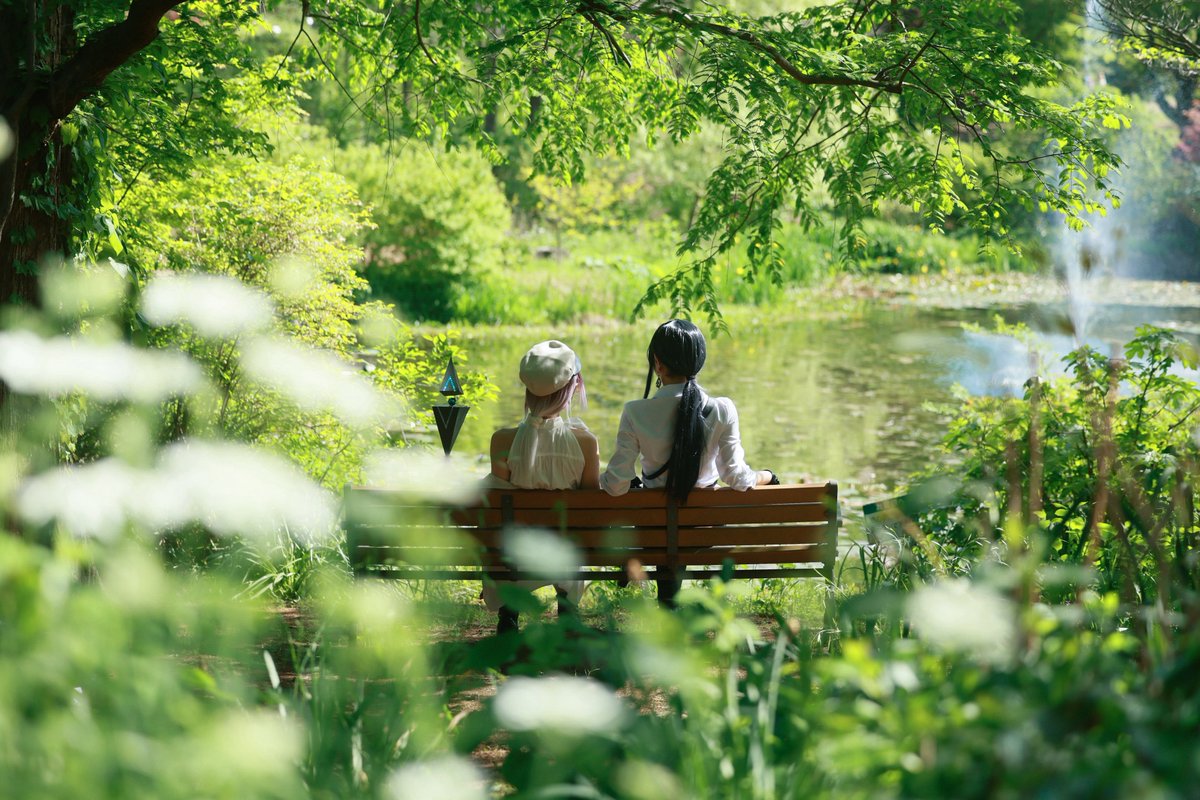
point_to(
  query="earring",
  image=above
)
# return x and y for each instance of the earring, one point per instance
(657, 381)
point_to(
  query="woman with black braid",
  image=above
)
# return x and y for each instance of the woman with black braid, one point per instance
(685, 438)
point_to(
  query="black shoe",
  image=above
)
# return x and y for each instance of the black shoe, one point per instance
(668, 587)
(507, 622)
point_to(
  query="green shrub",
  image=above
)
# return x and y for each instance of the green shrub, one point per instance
(897, 248)
(289, 230)
(602, 202)
(587, 276)
(123, 677)
(1067, 711)
(1102, 463)
(605, 270)
(133, 684)
(440, 223)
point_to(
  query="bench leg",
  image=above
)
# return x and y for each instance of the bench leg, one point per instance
(668, 587)
(507, 622)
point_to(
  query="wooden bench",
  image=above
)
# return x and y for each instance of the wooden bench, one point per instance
(770, 531)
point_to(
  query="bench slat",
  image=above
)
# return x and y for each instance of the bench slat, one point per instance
(656, 498)
(608, 574)
(558, 518)
(442, 538)
(636, 517)
(599, 499)
(811, 554)
(450, 557)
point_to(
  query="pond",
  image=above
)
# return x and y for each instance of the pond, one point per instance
(849, 396)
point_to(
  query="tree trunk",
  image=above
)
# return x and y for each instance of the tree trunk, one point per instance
(1184, 101)
(38, 175)
(34, 232)
(44, 74)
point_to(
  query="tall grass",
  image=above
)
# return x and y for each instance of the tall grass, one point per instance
(603, 274)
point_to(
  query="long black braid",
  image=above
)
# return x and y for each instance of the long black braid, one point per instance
(681, 348)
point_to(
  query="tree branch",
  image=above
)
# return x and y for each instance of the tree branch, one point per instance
(912, 62)
(303, 19)
(420, 38)
(103, 52)
(614, 46)
(697, 24)
(349, 95)
(1151, 24)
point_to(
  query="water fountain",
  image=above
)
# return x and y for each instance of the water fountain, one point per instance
(1086, 259)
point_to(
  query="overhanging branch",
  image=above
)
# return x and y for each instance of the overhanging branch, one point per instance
(77, 78)
(696, 23)
(103, 52)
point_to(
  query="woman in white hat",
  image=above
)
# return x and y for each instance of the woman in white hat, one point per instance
(547, 450)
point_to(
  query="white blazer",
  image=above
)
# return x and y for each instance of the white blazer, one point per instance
(648, 429)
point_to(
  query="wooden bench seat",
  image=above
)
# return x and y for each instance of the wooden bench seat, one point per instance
(770, 531)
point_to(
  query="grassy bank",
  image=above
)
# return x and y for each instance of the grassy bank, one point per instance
(601, 275)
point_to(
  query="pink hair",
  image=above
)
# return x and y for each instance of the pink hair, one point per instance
(549, 405)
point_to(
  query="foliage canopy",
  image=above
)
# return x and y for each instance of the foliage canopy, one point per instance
(1164, 35)
(873, 101)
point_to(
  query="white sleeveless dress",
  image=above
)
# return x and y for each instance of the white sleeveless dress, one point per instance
(545, 454)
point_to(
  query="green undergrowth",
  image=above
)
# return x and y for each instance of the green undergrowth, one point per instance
(455, 607)
(1025, 640)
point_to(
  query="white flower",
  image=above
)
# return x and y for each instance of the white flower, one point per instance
(964, 616)
(73, 290)
(901, 675)
(234, 489)
(6, 140)
(90, 500)
(559, 704)
(444, 778)
(229, 488)
(214, 305)
(421, 473)
(316, 380)
(255, 743)
(293, 279)
(541, 553)
(103, 370)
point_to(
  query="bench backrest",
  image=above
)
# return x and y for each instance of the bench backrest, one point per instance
(766, 527)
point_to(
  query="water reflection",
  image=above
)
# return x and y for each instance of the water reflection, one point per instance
(994, 364)
(817, 398)
(850, 398)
